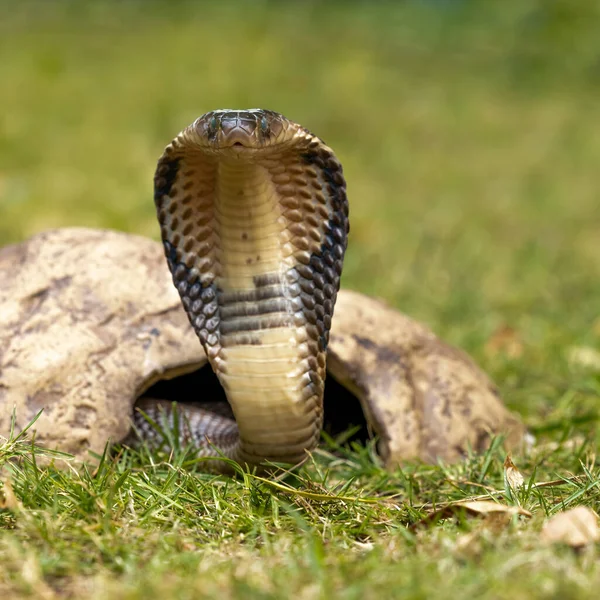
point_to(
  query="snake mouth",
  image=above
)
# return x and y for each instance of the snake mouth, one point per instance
(237, 145)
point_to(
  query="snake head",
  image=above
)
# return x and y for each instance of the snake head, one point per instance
(240, 132)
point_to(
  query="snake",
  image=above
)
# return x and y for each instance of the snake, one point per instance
(253, 215)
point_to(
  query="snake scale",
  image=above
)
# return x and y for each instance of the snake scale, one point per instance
(254, 220)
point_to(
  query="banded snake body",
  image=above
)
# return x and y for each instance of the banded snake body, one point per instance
(254, 220)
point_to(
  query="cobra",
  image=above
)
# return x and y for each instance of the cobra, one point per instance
(254, 220)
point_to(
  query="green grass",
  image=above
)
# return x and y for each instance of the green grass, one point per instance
(470, 137)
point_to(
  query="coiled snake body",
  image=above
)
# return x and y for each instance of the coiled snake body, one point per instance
(254, 220)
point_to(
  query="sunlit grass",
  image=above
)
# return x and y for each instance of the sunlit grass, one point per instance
(147, 525)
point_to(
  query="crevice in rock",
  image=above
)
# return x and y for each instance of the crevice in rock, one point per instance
(342, 408)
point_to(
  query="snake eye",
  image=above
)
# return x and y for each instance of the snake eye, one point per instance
(212, 126)
(264, 125)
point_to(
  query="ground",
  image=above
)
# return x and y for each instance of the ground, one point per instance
(470, 137)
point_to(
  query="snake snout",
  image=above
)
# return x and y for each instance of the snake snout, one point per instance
(237, 131)
(235, 136)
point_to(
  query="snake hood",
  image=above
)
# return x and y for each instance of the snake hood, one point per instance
(254, 220)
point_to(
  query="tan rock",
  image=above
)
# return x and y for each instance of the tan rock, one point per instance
(89, 320)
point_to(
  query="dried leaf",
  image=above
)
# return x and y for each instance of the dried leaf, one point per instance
(487, 507)
(499, 513)
(468, 545)
(505, 341)
(512, 476)
(577, 527)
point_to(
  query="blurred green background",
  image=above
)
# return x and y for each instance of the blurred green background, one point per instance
(469, 133)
